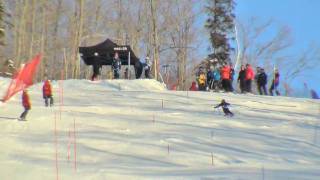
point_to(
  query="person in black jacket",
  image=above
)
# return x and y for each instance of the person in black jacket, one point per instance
(147, 68)
(262, 80)
(225, 108)
(96, 67)
(210, 78)
(242, 79)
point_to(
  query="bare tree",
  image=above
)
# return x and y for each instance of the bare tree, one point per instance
(300, 65)
(256, 48)
(57, 28)
(260, 47)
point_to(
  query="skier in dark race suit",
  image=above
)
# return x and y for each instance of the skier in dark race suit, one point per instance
(225, 108)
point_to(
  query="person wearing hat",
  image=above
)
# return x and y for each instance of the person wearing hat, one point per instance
(193, 86)
(147, 68)
(224, 105)
(202, 79)
(216, 79)
(26, 105)
(262, 82)
(249, 77)
(210, 78)
(275, 83)
(242, 79)
(47, 93)
(225, 77)
(116, 66)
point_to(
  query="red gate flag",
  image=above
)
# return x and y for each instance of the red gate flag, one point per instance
(23, 78)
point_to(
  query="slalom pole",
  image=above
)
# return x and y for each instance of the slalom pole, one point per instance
(274, 78)
(56, 145)
(69, 144)
(129, 61)
(75, 144)
(212, 159)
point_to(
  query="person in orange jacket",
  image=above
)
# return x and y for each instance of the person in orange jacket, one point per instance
(26, 104)
(225, 76)
(249, 77)
(47, 93)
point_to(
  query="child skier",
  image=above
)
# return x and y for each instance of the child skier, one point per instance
(225, 108)
(26, 104)
(47, 93)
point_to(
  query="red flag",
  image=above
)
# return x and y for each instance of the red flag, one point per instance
(23, 78)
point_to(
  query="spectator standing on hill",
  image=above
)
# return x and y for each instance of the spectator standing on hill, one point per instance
(147, 68)
(216, 79)
(275, 83)
(225, 76)
(47, 93)
(210, 78)
(202, 81)
(193, 86)
(262, 82)
(242, 79)
(249, 78)
(116, 66)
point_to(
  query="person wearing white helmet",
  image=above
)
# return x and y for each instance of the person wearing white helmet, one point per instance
(275, 83)
(147, 68)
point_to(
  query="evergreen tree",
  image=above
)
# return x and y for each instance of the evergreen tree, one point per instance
(221, 28)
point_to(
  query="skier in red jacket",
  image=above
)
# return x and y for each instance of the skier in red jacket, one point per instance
(26, 104)
(249, 77)
(47, 93)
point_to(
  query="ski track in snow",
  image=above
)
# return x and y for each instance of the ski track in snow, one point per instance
(138, 130)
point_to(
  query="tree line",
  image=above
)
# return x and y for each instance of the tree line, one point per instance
(163, 30)
(167, 31)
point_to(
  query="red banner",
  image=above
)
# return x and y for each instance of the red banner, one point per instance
(23, 78)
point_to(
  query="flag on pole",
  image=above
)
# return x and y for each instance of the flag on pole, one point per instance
(23, 78)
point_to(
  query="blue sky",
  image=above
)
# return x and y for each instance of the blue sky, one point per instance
(301, 16)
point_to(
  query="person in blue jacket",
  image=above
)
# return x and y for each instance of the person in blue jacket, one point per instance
(216, 79)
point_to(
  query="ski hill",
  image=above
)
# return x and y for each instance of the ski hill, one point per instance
(136, 129)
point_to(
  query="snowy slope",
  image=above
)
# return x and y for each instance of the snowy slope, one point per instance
(122, 132)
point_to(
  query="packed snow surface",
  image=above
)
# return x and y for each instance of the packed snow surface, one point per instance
(136, 129)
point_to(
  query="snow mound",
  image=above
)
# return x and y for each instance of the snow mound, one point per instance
(135, 129)
(4, 83)
(115, 85)
(87, 85)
